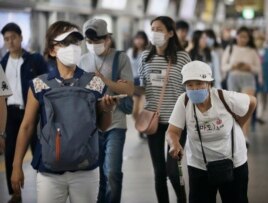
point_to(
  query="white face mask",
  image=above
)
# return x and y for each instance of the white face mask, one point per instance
(69, 55)
(98, 49)
(157, 38)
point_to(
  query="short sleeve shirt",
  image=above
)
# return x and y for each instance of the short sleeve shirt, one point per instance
(91, 62)
(215, 125)
(5, 89)
(152, 74)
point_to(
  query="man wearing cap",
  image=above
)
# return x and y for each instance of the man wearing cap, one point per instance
(20, 67)
(5, 92)
(218, 130)
(99, 59)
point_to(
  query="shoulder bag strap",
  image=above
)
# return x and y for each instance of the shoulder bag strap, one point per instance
(199, 134)
(115, 66)
(164, 87)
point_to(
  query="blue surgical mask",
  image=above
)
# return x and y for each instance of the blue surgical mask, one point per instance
(197, 96)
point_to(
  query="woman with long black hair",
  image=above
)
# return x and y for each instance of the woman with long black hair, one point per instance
(165, 53)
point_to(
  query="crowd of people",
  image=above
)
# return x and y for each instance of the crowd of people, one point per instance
(202, 89)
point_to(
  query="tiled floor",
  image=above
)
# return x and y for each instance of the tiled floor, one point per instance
(138, 184)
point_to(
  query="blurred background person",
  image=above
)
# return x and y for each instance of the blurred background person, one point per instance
(262, 90)
(226, 37)
(201, 51)
(139, 44)
(182, 29)
(242, 64)
(214, 45)
(20, 67)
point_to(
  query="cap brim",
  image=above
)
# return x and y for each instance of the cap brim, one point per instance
(197, 78)
(92, 34)
(66, 34)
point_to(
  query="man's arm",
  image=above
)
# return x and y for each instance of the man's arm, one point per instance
(104, 112)
(119, 87)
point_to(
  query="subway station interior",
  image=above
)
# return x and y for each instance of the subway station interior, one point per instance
(124, 19)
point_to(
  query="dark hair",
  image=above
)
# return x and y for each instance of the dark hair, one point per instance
(181, 24)
(53, 31)
(140, 34)
(211, 34)
(11, 27)
(250, 36)
(173, 42)
(194, 53)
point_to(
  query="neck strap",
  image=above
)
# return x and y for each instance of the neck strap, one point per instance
(200, 138)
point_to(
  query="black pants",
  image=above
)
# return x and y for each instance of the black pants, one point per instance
(14, 119)
(202, 192)
(161, 168)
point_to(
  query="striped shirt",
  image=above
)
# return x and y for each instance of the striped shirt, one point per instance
(152, 76)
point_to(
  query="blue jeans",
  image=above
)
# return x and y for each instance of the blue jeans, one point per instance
(111, 159)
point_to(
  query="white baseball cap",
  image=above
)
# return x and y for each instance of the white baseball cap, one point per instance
(62, 36)
(196, 70)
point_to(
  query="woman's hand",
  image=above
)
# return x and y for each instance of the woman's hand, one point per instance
(17, 179)
(242, 67)
(173, 139)
(107, 103)
(176, 151)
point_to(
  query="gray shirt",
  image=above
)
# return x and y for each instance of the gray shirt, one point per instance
(91, 63)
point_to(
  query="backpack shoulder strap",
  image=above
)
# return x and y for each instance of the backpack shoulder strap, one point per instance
(115, 66)
(186, 99)
(85, 79)
(220, 93)
(51, 83)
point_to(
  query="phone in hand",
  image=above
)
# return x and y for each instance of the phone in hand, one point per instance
(119, 96)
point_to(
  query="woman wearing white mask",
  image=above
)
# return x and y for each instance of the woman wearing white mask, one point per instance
(153, 67)
(55, 186)
(218, 137)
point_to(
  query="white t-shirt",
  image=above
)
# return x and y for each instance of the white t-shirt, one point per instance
(215, 126)
(13, 74)
(4, 86)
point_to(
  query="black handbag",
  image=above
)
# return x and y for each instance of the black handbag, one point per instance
(220, 171)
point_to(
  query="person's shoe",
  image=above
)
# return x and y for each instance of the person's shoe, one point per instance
(15, 199)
